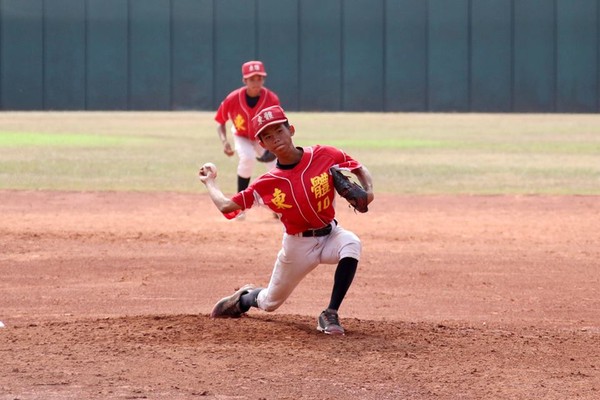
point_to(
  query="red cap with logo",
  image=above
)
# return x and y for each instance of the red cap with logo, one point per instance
(269, 116)
(251, 68)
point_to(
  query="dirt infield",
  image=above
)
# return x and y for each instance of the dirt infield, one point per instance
(106, 296)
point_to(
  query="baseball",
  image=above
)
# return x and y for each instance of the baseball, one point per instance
(208, 167)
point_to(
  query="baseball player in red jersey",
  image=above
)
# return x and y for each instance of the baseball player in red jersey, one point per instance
(239, 107)
(301, 191)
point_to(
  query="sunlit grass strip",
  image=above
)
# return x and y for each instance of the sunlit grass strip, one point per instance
(407, 153)
(37, 139)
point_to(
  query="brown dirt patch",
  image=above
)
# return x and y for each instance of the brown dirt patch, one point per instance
(106, 295)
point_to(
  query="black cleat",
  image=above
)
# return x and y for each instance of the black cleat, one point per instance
(329, 323)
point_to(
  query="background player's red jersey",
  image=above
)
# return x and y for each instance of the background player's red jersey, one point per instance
(235, 109)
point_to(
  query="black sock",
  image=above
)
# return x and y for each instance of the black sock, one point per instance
(243, 183)
(249, 299)
(344, 274)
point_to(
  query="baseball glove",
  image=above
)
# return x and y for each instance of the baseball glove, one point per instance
(351, 191)
(267, 156)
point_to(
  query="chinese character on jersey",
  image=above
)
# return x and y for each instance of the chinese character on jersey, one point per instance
(320, 185)
(279, 199)
(239, 123)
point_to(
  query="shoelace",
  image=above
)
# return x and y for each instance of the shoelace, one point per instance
(331, 318)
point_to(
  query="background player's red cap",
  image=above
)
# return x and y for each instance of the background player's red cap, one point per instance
(251, 68)
(267, 117)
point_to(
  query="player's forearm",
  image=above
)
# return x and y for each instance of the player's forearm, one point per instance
(365, 178)
(366, 181)
(222, 202)
(222, 132)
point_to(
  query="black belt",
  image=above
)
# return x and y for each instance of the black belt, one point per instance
(319, 232)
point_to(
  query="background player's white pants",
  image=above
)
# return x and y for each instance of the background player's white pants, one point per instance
(300, 255)
(247, 151)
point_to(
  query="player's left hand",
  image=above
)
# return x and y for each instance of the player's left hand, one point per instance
(356, 196)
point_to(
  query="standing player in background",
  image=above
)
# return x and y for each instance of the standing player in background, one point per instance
(300, 190)
(239, 107)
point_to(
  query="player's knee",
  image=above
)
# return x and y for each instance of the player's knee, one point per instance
(352, 248)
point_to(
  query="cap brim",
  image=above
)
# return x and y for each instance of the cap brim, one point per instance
(255, 73)
(272, 122)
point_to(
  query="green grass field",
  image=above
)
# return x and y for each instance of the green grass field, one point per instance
(408, 153)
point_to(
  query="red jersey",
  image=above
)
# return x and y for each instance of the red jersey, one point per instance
(235, 109)
(303, 195)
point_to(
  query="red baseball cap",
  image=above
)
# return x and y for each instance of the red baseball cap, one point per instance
(251, 68)
(269, 116)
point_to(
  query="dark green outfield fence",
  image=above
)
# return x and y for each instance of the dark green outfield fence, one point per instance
(326, 55)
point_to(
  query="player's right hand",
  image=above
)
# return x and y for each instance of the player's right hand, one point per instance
(207, 172)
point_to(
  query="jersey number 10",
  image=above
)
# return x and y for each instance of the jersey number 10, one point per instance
(323, 204)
